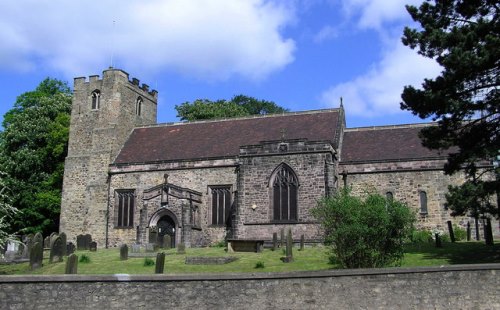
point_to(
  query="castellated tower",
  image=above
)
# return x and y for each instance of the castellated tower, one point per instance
(104, 112)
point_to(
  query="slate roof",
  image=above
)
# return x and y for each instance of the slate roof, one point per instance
(385, 143)
(223, 138)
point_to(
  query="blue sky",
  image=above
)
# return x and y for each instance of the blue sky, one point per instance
(301, 54)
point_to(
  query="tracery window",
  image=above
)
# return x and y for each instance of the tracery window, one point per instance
(125, 208)
(138, 105)
(221, 204)
(423, 202)
(96, 99)
(285, 188)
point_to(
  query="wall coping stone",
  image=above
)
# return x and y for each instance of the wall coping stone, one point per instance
(243, 276)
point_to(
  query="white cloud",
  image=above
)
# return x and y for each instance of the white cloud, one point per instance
(202, 38)
(326, 33)
(374, 13)
(378, 92)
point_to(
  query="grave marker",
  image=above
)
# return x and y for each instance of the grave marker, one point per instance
(123, 252)
(72, 264)
(56, 250)
(160, 262)
(36, 256)
(64, 240)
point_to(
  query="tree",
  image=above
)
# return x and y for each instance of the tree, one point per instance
(7, 211)
(33, 147)
(463, 37)
(238, 106)
(364, 233)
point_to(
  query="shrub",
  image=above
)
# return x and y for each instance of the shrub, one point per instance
(84, 259)
(259, 264)
(220, 244)
(148, 262)
(364, 233)
(459, 232)
(421, 236)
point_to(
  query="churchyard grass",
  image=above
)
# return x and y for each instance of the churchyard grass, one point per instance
(311, 258)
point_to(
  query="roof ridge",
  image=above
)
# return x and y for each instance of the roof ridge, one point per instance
(385, 127)
(238, 118)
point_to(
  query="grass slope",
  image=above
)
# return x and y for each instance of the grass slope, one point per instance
(312, 258)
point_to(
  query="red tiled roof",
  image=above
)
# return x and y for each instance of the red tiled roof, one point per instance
(385, 143)
(212, 139)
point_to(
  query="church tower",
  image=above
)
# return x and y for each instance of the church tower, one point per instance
(104, 112)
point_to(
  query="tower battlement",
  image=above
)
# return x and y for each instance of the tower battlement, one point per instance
(111, 73)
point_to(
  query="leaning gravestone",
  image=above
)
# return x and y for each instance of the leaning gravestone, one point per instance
(93, 246)
(72, 264)
(160, 262)
(70, 248)
(56, 250)
(36, 256)
(64, 240)
(46, 242)
(123, 252)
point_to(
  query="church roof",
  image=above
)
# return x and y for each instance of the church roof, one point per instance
(223, 138)
(385, 143)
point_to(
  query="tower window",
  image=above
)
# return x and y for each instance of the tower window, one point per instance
(138, 106)
(284, 187)
(96, 99)
(423, 202)
(221, 204)
(125, 208)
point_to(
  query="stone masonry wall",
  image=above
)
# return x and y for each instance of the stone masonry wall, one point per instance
(405, 180)
(444, 287)
(95, 138)
(199, 178)
(256, 167)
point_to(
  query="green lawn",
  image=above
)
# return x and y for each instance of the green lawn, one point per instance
(312, 258)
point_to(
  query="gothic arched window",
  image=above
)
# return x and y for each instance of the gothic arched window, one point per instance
(96, 99)
(138, 105)
(284, 191)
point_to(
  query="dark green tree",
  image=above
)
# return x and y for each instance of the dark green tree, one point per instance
(238, 106)
(464, 38)
(33, 147)
(364, 233)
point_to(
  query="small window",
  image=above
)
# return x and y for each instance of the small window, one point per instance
(138, 106)
(221, 205)
(96, 99)
(389, 196)
(423, 202)
(125, 208)
(285, 187)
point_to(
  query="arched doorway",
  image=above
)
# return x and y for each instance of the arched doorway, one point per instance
(164, 223)
(166, 227)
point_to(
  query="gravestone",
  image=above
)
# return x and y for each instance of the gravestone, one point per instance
(83, 242)
(469, 231)
(30, 241)
(301, 243)
(36, 256)
(123, 252)
(56, 250)
(53, 236)
(93, 246)
(150, 247)
(70, 248)
(46, 242)
(450, 231)
(282, 235)
(275, 241)
(181, 248)
(72, 264)
(438, 241)
(160, 262)
(38, 238)
(289, 244)
(64, 240)
(167, 241)
(135, 248)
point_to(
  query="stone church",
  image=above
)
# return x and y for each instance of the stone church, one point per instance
(128, 178)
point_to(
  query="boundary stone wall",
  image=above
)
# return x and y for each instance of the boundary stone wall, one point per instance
(445, 287)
